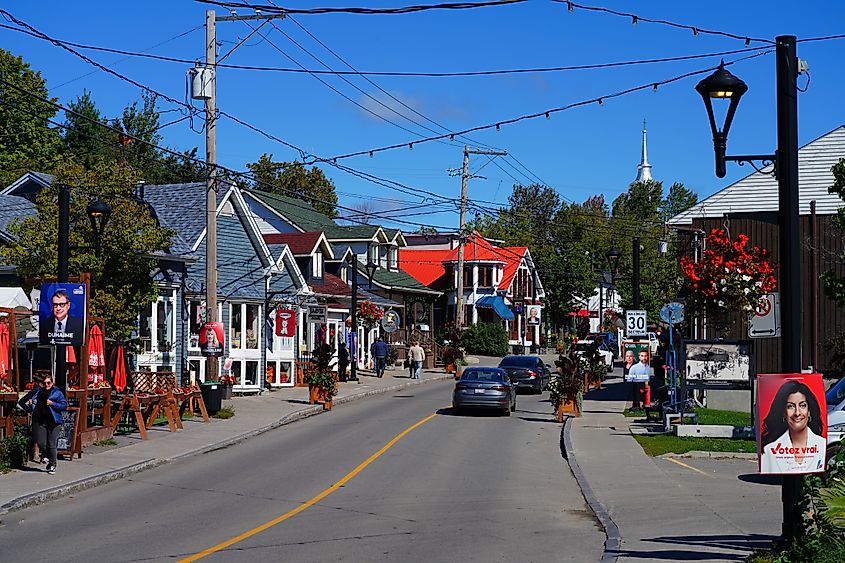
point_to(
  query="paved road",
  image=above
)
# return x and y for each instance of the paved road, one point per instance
(473, 488)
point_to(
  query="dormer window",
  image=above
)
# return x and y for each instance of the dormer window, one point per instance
(393, 258)
(317, 265)
(374, 253)
(344, 273)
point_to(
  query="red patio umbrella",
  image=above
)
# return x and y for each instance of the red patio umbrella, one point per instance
(96, 355)
(118, 369)
(4, 350)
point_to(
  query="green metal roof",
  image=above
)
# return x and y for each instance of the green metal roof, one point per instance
(399, 280)
(297, 211)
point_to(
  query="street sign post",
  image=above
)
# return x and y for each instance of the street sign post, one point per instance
(765, 321)
(635, 323)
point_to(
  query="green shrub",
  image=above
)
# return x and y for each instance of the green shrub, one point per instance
(13, 449)
(225, 413)
(485, 339)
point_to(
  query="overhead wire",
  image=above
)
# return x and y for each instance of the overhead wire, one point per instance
(364, 11)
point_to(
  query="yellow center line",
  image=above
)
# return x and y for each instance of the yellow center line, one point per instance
(690, 467)
(346, 478)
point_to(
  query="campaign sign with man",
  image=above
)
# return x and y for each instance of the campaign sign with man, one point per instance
(791, 423)
(211, 339)
(62, 314)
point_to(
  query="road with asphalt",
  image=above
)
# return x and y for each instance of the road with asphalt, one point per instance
(377, 480)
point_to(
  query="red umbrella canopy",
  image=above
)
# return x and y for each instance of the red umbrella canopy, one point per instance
(119, 373)
(96, 355)
(4, 350)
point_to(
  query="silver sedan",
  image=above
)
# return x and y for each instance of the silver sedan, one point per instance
(485, 388)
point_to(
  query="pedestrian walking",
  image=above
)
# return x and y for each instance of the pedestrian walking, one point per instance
(380, 351)
(342, 361)
(45, 402)
(417, 357)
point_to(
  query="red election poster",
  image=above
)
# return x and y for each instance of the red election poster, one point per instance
(285, 323)
(791, 423)
(211, 339)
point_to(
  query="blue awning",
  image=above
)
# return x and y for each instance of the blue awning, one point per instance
(497, 303)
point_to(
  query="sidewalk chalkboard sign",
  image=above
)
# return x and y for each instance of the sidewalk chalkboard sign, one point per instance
(69, 432)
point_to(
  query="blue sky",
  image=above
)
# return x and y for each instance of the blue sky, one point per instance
(581, 152)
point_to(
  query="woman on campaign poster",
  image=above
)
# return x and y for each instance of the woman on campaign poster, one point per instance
(794, 423)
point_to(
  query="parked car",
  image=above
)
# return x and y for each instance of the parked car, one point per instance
(582, 346)
(609, 339)
(485, 388)
(527, 372)
(835, 397)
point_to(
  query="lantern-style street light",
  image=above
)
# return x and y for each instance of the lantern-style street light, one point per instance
(723, 85)
(99, 213)
(371, 269)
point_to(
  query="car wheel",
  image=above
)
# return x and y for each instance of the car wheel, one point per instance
(506, 411)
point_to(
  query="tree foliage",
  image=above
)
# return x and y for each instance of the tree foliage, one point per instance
(293, 179)
(120, 276)
(27, 142)
(834, 285)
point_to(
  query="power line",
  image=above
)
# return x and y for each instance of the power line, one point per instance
(418, 74)
(365, 11)
(547, 113)
(636, 19)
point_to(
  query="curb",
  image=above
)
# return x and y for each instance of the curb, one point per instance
(41, 497)
(697, 454)
(614, 541)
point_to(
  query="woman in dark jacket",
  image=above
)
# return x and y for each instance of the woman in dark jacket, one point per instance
(46, 403)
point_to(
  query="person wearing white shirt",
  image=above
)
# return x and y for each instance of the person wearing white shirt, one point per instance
(792, 436)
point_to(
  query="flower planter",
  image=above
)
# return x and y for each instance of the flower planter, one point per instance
(450, 368)
(227, 392)
(327, 405)
(569, 405)
(317, 395)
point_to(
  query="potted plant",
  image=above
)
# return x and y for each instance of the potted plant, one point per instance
(566, 389)
(227, 381)
(322, 386)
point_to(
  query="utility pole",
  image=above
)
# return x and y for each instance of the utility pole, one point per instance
(635, 289)
(64, 258)
(353, 354)
(209, 94)
(212, 363)
(459, 297)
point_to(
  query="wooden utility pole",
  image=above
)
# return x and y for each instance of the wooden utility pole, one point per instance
(459, 296)
(212, 363)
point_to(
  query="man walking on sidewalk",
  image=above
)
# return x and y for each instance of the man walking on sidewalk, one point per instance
(379, 351)
(417, 356)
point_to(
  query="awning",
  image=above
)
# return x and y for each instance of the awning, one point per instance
(497, 303)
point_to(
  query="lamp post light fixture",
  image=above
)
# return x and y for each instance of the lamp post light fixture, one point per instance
(98, 213)
(722, 84)
(371, 270)
(613, 255)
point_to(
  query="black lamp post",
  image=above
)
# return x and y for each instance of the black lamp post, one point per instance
(98, 213)
(371, 269)
(722, 84)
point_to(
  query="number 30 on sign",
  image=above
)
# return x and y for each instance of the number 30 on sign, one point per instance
(635, 324)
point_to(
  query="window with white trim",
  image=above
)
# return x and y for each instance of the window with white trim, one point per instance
(317, 265)
(393, 258)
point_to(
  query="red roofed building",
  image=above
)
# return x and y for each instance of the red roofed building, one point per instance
(501, 284)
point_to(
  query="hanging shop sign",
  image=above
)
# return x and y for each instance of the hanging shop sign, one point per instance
(62, 314)
(317, 313)
(285, 323)
(390, 321)
(791, 423)
(211, 339)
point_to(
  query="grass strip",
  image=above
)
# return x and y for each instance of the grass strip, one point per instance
(668, 443)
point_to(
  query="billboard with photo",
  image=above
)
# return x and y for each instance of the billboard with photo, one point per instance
(62, 314)
(791, 423)
(718, 362)
(631, 360)
(211, 339)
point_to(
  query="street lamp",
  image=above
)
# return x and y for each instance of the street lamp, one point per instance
(721, 85)
(613, 255)
(371, 269)
(98, 213)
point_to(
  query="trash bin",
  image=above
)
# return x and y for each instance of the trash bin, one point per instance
(212, 396)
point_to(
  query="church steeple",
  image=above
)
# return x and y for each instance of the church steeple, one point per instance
(644, 169)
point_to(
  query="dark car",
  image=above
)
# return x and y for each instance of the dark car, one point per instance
(527, 372)
(485, 388)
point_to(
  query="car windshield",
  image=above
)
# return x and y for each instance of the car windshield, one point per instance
(481, 375)
(518, 362)
(836, 394)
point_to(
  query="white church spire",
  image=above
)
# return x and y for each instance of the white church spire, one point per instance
(644, 169)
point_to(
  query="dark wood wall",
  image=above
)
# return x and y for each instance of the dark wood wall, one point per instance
(762, 229)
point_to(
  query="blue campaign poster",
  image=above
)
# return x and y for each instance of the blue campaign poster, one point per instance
(62, 314)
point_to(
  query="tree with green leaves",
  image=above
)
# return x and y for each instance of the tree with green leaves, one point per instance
(121, 275)
(27, 141)
(835, 285)
(293, 179)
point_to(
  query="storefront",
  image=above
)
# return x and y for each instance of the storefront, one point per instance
(245, 333)
(280, 353)
(157, 331)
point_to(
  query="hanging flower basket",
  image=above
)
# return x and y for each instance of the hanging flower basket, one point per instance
(369, 313)
(729, 279)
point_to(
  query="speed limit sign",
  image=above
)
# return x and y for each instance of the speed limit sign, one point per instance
(635, 324)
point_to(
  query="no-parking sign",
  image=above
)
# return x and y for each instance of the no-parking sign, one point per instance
(765, 320)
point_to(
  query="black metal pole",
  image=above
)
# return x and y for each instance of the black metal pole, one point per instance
(353, 354)
(635, 286)
(790, 237)
(64, 255)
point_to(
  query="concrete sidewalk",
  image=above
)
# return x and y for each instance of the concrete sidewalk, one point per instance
(253, 415)
(666, 509)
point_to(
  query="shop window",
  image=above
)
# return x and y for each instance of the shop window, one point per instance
(164, 325)
(196, 318)
(145, 328)
(235, 328)
(251, 373)
(251, 323)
